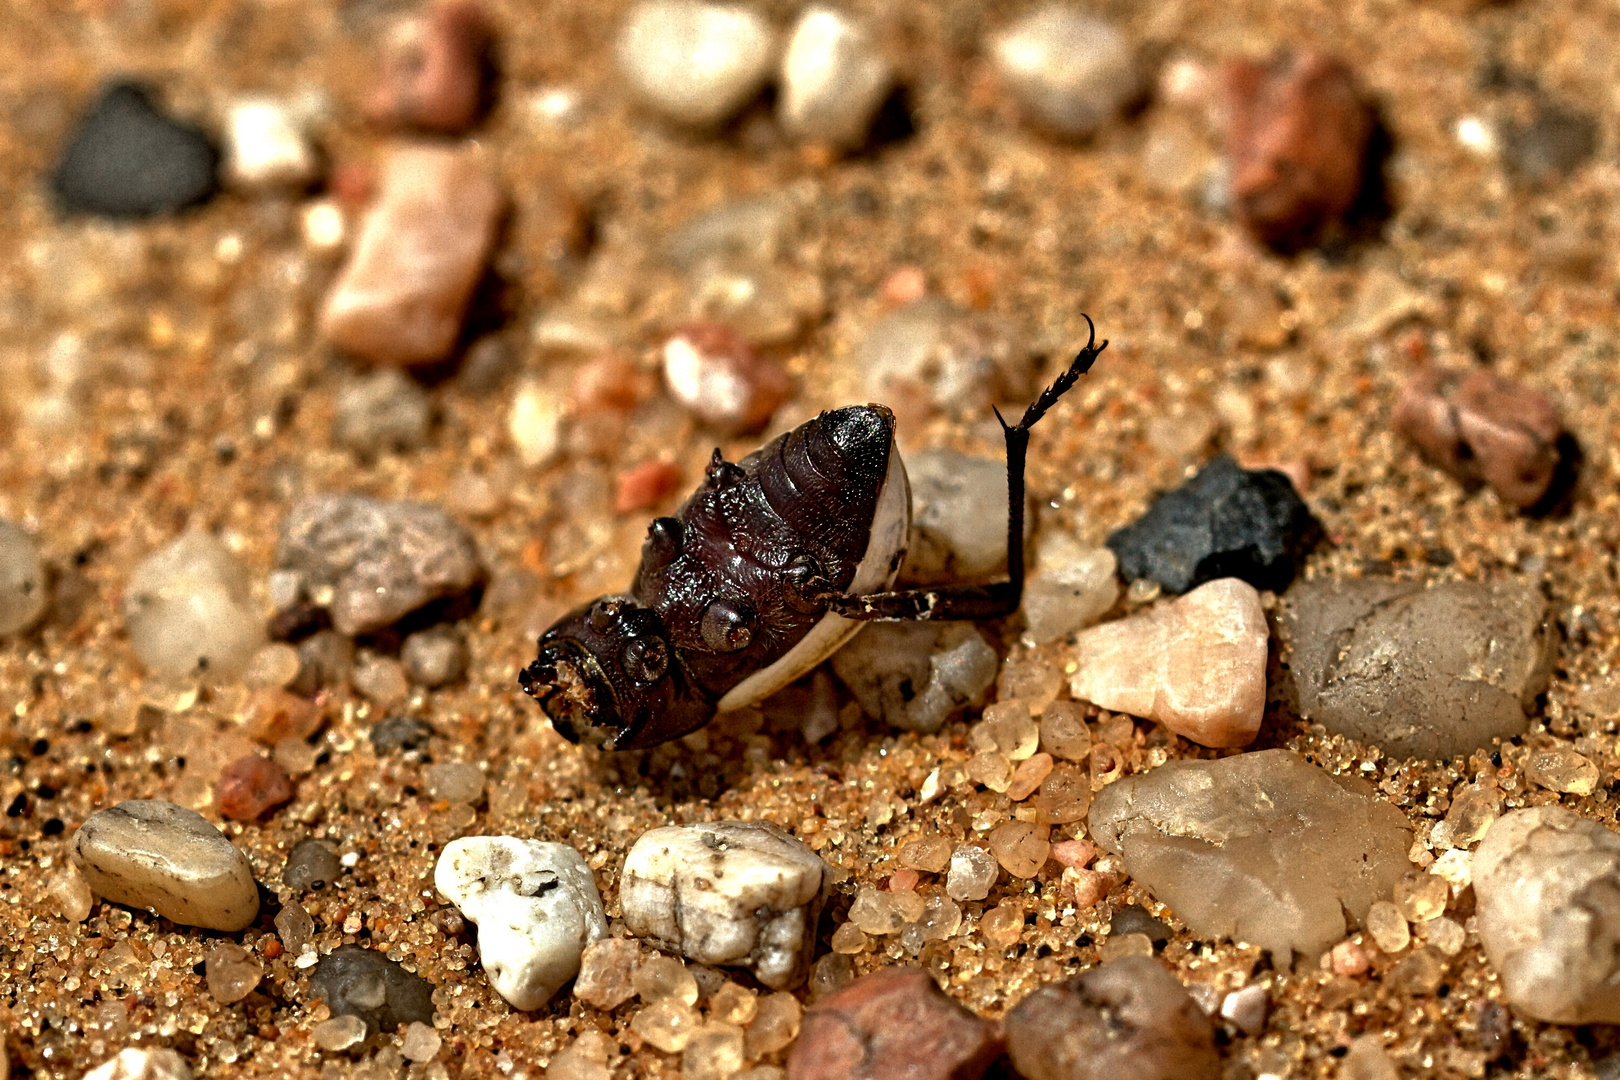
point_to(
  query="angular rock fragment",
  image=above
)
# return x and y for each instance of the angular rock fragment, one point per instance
(834, 79)
(434, 71)
(189, 610)
(232, 973)
(1072, 587)
(363, 983)
(311, 864)
(693, 62)
(714, 374)
(1548, 884)
(422, 249)
(1261, 847)
(1225, 522)
(380, 559)
(1197, 664)
(536, 907)
(1296, 145)
(1126, 1019)
(914, 676)
(1420, 672)
(127, 159)
(22, 581)
(167, 859)
(131, 1063)
(743, 894)
(1484, 429)
(607, 971)
(250, 787)
(894, 1022)
(1071, 71)
(266, 145)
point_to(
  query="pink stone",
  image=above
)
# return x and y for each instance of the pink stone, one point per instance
(433, 72)
(251, 787)
(1067, 853)
(422, 249)
(894, 1022)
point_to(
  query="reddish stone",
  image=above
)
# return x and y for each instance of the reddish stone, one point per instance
(1482, 428)
(612, 382)
(894, 1022)
(251, 787)
(1297, 143)
(711, 370)
(274, 715)
(645, 485)
(434, 72)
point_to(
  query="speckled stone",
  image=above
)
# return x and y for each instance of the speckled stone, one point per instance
(361, 982)
(311, 864)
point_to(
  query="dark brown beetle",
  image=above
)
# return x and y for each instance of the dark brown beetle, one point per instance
(769, 567)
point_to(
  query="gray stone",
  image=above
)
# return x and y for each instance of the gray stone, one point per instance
(1548, 887)
(167, 859)
(1072, 72)
(958, 517)
(434, 656)
(754, 228)
(357, 981)
(695, 63)
(400, 733)
(915, 676)
(834, 79)
(1420, 672)
(189, 610)
(956, 361)
(1262, 847)
(22, 581)
(325, 659)
(1072, 587)
(382, 411)
(380, 558)
(311, 864)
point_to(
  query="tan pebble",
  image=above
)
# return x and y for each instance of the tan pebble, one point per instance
(1028, 776)
(1021, 847)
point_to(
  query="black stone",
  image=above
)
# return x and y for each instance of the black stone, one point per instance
(1133, 920)
(311, 865)
(1225, 522)
(399, 733)
(129, 160)
(356, 981)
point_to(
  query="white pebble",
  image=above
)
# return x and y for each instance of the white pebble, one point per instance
(535, 424)
(189, 610)
(696, 63)
(158, 1063)
(1073, 72)
(266, 145)
(1246, 1009)
(1072, 587)
(536, 907)
(22, 581)
(972, 871)
(834, 79)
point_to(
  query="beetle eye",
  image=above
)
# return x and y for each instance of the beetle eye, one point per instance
(646, 659)
(727, 627)
(604, 613)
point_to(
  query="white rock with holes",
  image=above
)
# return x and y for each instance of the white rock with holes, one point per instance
(739, 893)
(536, 907)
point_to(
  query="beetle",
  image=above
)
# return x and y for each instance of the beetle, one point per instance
(770, 566)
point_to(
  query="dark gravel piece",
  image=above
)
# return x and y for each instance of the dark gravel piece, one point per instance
(399, 733)
(1133, 920)
(1225, 522)
(127, 159)
(356, 981)
(311, 864)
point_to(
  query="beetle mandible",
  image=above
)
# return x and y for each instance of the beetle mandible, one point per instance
(770, 566)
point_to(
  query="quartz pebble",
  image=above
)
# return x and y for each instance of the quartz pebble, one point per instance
(250, 787)
(1021, 847)
(397, 733)
(693, 62)
(433, 71)
(776, 1024)
(1063, 731)
(434, 657)
(294, 927)
(421, 1042)
(534, 424)
(834, 79)
(658, 978)
(381, 559)
(1421, 896)
(894, 1022)
(1071, 71)
(1485, 429)
(1473, 808)
(929, 853)
(22, 581)
(536, 907)
(69, 895)
(713, 373)
(455, 782)
(1296, 144)
(339, 1033)
(422, 248)
(381, 680)
(165, 858)
(189, 610)
(958, 517)
(267, 146)
(1128, 1018)
(972, 871)
(607, 972)
(1388, 927)
(1367, 1060)
(126, 159)
(915, 676)
(359, 982)
(729, 892)
(157, 1063)
(585, 1058)
(1261, 847)
(1421, 672)
(714, 1052)
(1246, 1009)
(666, 1024)
(311, 864)
(1546, 882)
(232, 973)
(1558, 768)
(933, 354)
(1226, 521)
(1072, 587)
(1196, 665)
(382, 411)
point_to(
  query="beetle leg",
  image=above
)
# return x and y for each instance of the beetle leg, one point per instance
(998, 599)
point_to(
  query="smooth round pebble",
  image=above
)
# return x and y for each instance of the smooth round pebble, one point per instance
(1072, 71)
(189, 610)
(695, 63)
(834, 79)
(455, 782)
(311, 864)
(22, 581)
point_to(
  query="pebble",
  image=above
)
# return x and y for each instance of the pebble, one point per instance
(126, 159)
(931, 354)
(1296, 143)
(68, 894)
(325, 661)
(644, 486)
(894, 1022)
(294, 927)
(1246, 1009)
(973, 871)
(958, 517)
(585, 1058)
(1021, 847)
(607, 972)
(382, 559)
(1484, 429)
(749, 228)
(1544, 880)
(695, 63)
(915, 676)
(339, 1033)
(23, 592)
(400, 733)
(1071, 71)
(534, 424)
(189, 610)
(711, 371)
(360, 982)
(434, 657)
(777, 1019)
(157, 1063)
(1473, 809)
(1367, 1060)
(267, 145)
(1388, 927)
(421, 1042)
(1063, 731)
(1262, 847)
(732, 893)
(536, 907)
(1226, 521)
(714, 1052)
(1197, 664)
(664, 978)
(931, 854)
(311, 864)
(455, 782)
(1560, 769)
(385, 410)
(1072, 587)
(1421, 672)
(434, 71)
(250, 787)
(232, 973)
(1127, 1018)
(167, 859)
(1131, 919)
(381, 680)
(834, 79)
(422, 248)
(1421, 896)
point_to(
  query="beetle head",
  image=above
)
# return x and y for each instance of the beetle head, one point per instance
(606, 675)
